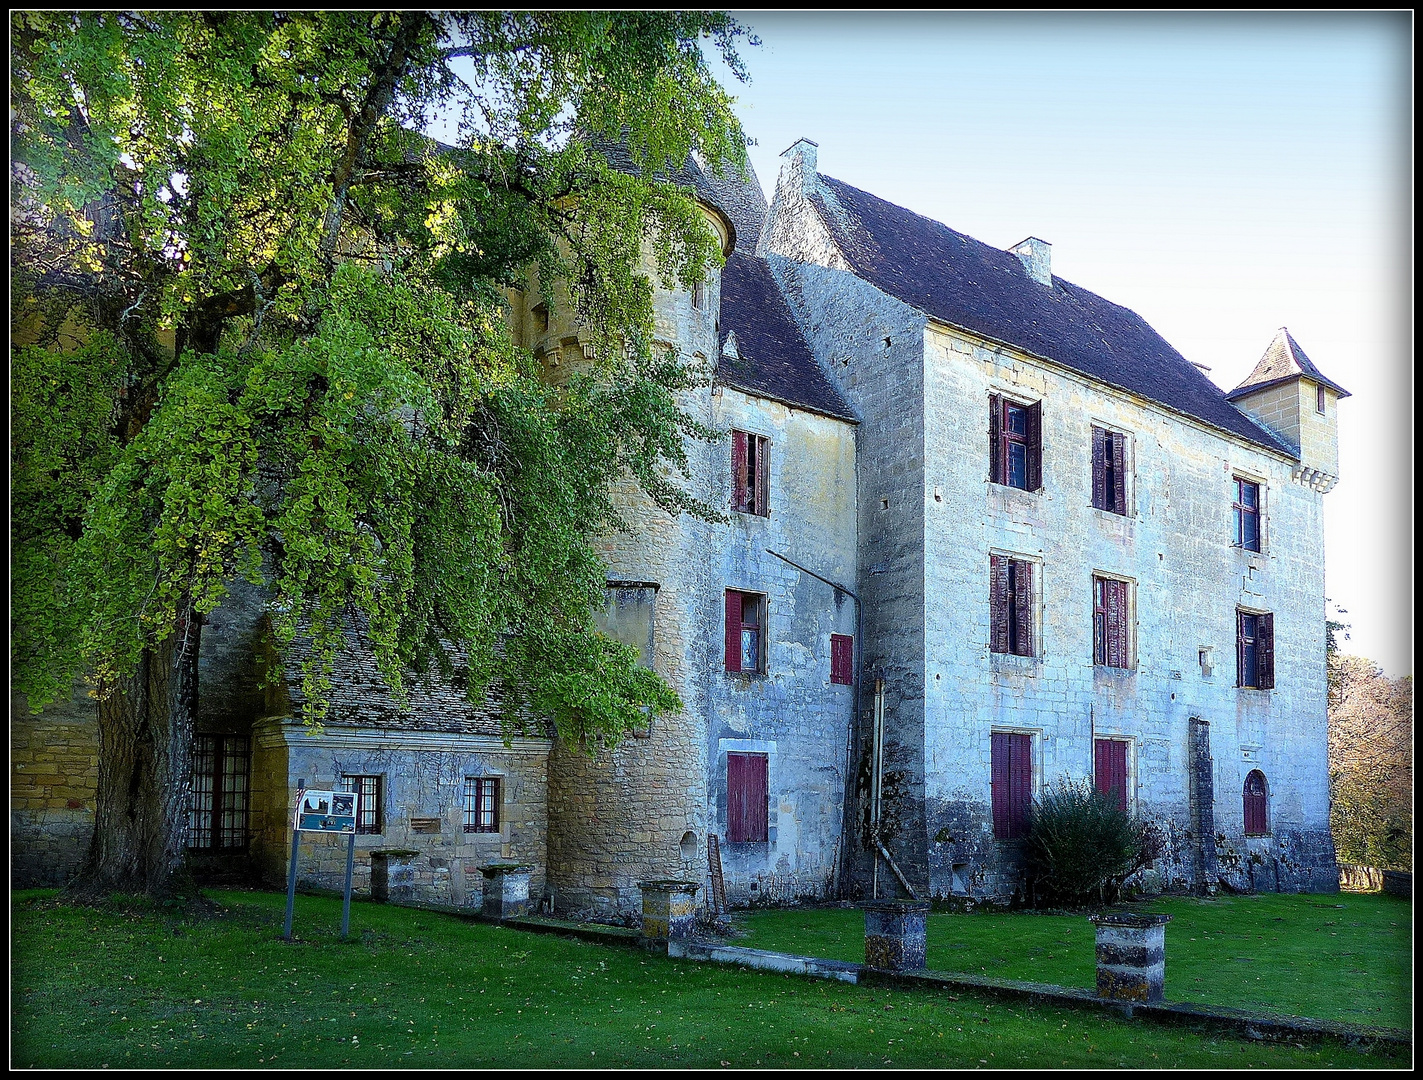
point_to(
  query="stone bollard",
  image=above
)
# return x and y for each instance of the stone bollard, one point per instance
(393, 876)
(1131, 957)
(895, 934)
(506, 890)
(668, 909)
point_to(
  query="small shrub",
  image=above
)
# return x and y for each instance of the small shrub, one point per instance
(1080, 847)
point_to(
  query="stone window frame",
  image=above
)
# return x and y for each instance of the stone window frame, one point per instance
(1001, 439)
(1262, 645)
(473, 788)
(1111, 434)
(1128, 624)
(750, 473)
(749, 746)
(763, 611)
(376, 825)
(227, 745)
(1237, 539)
(1035, 564)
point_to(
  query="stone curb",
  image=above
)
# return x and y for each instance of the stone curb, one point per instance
(1240, 1022)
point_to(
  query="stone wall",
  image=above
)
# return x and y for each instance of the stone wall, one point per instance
(54, 764)
(423, 804)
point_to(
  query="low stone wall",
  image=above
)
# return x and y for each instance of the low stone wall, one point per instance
(1398, 883)
(1357, 878)
(54, 769)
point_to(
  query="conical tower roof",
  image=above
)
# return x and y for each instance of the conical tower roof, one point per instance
(1283, 360)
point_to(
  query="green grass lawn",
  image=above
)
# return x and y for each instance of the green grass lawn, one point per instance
(129, 986)
(1344, 957)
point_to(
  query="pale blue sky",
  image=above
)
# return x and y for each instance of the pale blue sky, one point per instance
(1222, 175)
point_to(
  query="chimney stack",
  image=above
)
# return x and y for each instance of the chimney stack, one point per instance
(1037, 259)
(800, 168)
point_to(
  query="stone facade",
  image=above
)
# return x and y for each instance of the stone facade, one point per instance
(839, 353)
(929, 521)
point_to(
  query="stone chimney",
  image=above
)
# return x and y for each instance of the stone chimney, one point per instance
(800, 169)
(1037, 259)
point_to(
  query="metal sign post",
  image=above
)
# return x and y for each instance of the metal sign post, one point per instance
(323, 812)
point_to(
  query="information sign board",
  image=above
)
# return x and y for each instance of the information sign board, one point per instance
(326, 811)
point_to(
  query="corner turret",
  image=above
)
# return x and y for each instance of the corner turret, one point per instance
(1291, 397)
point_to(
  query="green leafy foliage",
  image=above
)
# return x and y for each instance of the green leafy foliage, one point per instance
(1370, 764)
(263, 335)
(1080, 846)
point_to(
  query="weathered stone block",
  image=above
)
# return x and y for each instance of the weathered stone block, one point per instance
(895, 934)
(668, 909)
(393, 876)
(1131, 957)
(506, 890)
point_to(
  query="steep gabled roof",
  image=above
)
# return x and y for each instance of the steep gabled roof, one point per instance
(963, 282)
(772, 358)
(1283, 360)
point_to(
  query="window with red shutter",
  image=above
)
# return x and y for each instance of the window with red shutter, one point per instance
(747, 792)
(1011, 605)
(750, 473)
(842, 659)
(1011, 784)
(1111, 770)
(745, 647)
(1109, 490)
(1015, 457)
(1255, 650)
(1111, 623)
(1256, 805)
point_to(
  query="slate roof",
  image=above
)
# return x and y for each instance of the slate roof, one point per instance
(740, 198)
(360, 697)
(774, 359)
(1283, 360)
(963, 282)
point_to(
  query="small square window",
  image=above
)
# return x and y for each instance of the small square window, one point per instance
(842, 659)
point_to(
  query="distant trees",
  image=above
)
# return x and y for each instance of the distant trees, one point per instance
(1370, 763)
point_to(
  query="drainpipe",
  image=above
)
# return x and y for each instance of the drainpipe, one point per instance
(875, 783)
(855, 691)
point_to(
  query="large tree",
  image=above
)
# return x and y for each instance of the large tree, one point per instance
(257, 331)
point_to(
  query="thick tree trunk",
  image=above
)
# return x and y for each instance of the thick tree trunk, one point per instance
(145, 773)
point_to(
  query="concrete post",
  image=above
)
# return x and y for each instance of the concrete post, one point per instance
(393, 876)
(506, 890)
(668, 909)
(895, 935)
(1131, 957)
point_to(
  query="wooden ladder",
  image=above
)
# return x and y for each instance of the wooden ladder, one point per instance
(718, 883)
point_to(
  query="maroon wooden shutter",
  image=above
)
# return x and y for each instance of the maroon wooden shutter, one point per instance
(763, 478)
(1255, 816)
(746, 795)
(1099, 468)
(1023, 606)
(999, 786)
(738, 470)
(1115, 619)
(842, 659)
(998, 603)
(1111, 770)
(1020, 783)
(1119, 473)
(733, 630)
(1239, 647)
(996, 457)
(1265, 651)
(1035, 445)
